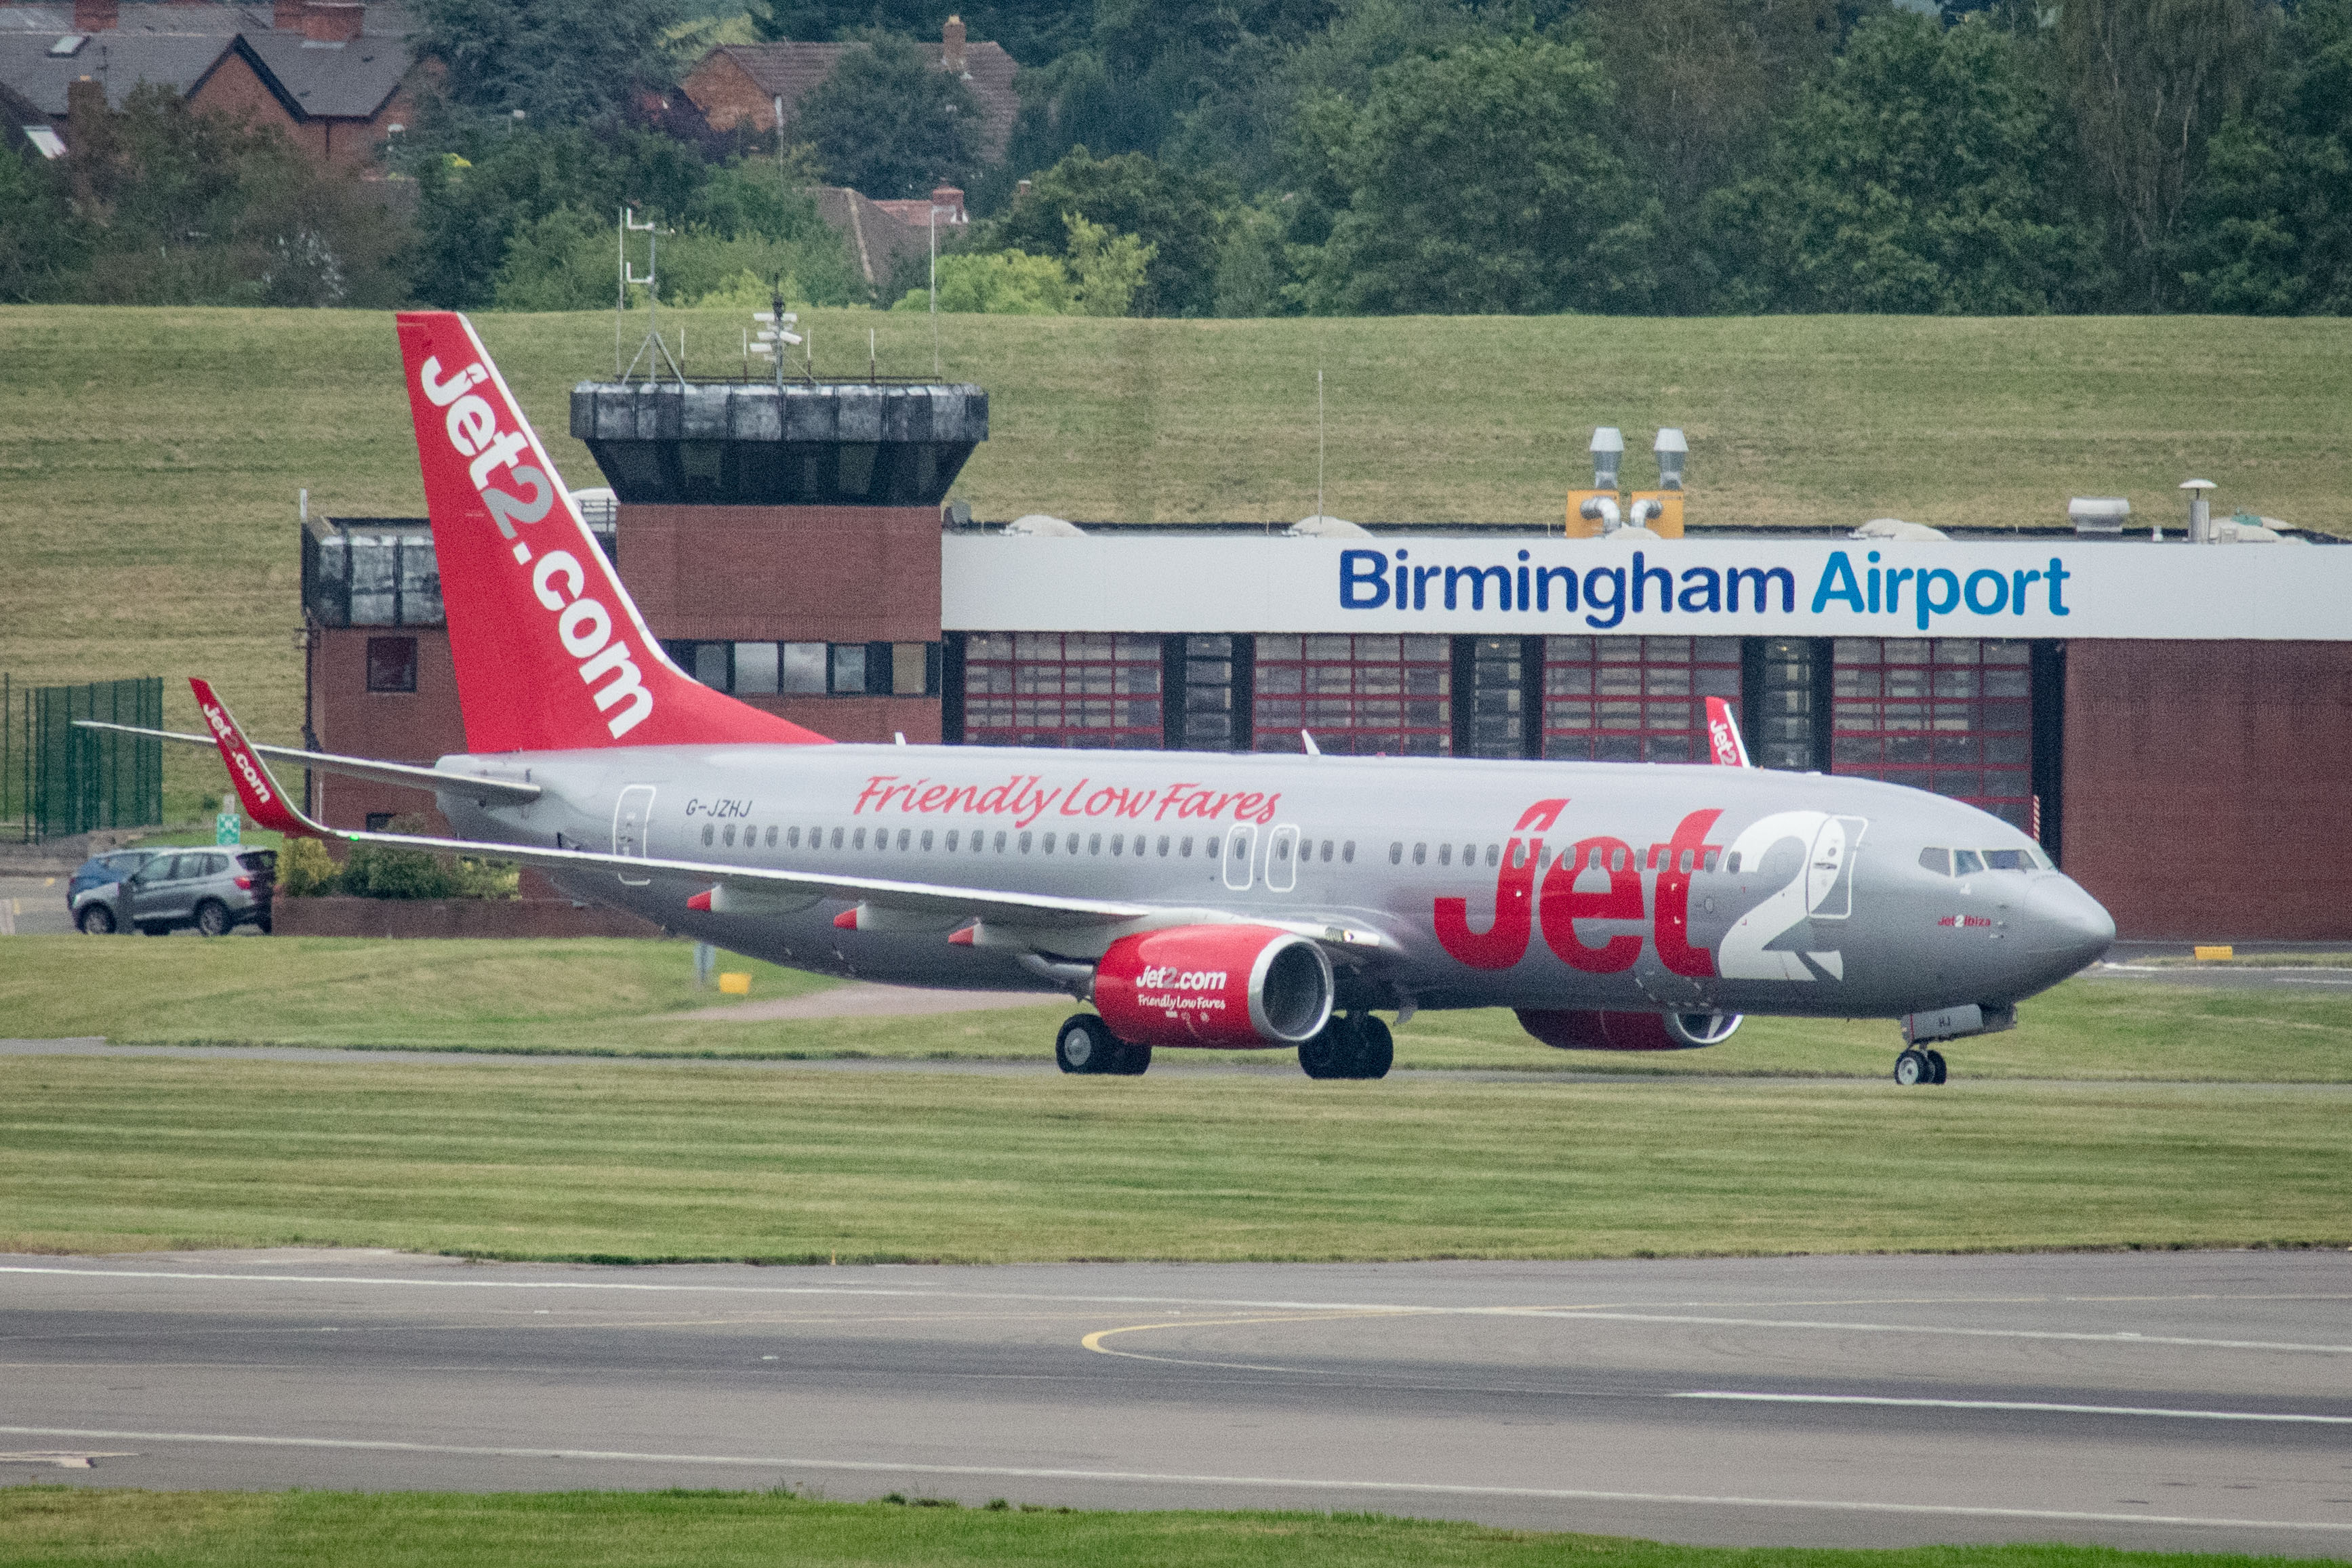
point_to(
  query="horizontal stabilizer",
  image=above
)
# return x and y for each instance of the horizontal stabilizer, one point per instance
(473, 787)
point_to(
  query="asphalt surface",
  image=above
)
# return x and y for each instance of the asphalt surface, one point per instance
(2189, 1401)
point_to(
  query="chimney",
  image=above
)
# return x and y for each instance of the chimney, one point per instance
(286, 15)
(952, 47)
(949, 200)
(95, 15)
(332, 21)
(1020, 189)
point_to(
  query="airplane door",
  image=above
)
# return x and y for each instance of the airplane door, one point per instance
(1282, 859)
(632, 820)
(1240, 855)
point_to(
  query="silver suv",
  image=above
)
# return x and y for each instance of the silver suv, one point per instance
(216, 891)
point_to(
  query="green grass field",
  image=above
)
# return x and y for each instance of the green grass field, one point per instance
(58, 1527)
(627, 998)
(153, 456)
(646, 1161)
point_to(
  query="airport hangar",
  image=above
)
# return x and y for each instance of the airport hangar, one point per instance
(2172, 719)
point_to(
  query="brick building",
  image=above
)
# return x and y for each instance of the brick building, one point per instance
(331, 74)
(746, 84)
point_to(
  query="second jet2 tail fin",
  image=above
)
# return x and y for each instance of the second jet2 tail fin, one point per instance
(1723, 735)
(551, 653)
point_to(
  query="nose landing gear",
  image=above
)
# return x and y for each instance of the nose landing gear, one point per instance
(1916, 1066)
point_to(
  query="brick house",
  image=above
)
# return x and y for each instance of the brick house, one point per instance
(746, 84)
(331, 74)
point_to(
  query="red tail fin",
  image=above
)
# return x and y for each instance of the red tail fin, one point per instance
(257, 789)
(551, 653)
(1723, 735)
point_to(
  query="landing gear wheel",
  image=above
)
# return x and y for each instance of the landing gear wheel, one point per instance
(211, 918)
(1375, 1047)
(1132, 1060)
(1913, 1068)
(1086, 1044)
(1936, 1065)
(96, 920)
(1332, 1051)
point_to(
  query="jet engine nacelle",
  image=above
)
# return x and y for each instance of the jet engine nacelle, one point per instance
(1222, 986)
(1585, 1030)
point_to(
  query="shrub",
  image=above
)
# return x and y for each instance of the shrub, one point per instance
(305, 869)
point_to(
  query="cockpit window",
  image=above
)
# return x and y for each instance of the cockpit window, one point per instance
(1938, 861)
(1965, 862)
(2008, 860)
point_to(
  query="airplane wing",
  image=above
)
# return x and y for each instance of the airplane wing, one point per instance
(270, 808)
(477, 787)
(1723, 735)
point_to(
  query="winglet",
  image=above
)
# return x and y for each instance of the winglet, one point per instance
(263, 800)
(1723, 735)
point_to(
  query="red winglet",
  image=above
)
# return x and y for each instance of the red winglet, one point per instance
(701, 900)
(963, 938)
(263, 800)
(1723, 735)
(846, 921)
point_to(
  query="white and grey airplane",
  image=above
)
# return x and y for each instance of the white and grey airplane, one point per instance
(1195, 900)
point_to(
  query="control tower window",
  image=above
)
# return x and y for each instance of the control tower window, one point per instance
(391, 663)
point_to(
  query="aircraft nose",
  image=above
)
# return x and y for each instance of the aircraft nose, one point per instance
(2065, 922)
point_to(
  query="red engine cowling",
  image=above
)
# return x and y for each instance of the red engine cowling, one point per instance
(1584, 1031)
(1222, 987)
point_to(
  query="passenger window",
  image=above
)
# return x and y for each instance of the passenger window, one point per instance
(1446, 854)
(952, 836)
(727, 838)
(1094, 844)
(1025, 843)
(1966, 861)
(927, 841)
(1348, 853)
(1469, 854)
(1420, 853)
(1282, 849)
(906, 838)
(1493, 855)
(1000, 843)
(1712, 856)
(1616, 859)
(1327, 851)
(1208, 848)
(1163, 846)
(709, 834)
(856, 840)
(1184, 850)
(1396, 854)
(1732, 864)
(1051, 840)
(791, 838)
(1686, 863)
(772, 835)
(1118, 844)
(837, 838)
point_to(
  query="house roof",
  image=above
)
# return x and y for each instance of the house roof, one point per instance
(790, 70)
(179, 45)
(343, 81)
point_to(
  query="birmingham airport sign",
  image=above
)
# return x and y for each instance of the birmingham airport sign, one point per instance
(1721, 587)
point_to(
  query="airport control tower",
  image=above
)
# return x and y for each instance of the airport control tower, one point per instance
(783, 539)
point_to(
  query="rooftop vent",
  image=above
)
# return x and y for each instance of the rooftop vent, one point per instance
(2098, 514)
(1896, 529)
(1319, 527)
(1037, 525)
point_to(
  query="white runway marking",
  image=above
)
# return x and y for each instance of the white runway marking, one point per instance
(1600, 1314)
(2016, 1404)
(1146, 1477)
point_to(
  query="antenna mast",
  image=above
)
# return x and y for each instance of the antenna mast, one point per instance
(653, 350)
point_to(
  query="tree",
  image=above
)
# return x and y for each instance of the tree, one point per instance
(560, 62)
(1033, 32)
(1915, 179)
(1699, 84)
(2269, 227)
(889, 122)
(1178, 217)
(2150, 81)
(1481, 182)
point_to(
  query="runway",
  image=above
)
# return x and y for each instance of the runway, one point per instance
(2181, 1401)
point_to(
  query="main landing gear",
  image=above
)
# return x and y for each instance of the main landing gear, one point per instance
(1086, 1044)
(1355, 1046)
(1916, 1066)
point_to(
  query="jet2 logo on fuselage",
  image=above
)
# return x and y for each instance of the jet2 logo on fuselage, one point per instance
(1600, 878)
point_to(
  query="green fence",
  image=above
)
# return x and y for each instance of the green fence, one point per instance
(56, 779)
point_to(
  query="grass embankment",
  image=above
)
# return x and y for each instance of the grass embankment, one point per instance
(627, 998)
(56, 1527)
(636, 1162)
(153, 456)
